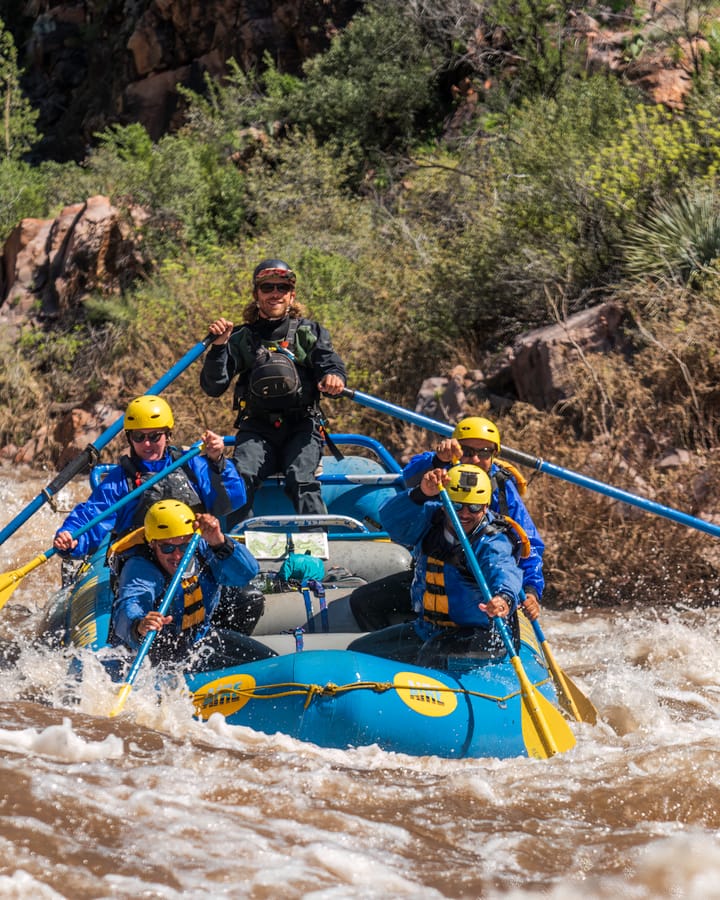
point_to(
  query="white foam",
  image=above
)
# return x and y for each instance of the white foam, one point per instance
(61, 742)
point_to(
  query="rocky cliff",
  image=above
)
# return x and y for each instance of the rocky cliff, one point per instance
(91, 63)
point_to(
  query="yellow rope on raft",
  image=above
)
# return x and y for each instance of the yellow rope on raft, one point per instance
(291, 689)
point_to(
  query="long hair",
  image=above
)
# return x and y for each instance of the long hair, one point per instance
(251, 315)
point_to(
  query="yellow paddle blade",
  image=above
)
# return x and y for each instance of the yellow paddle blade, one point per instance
(571, 698)
(544, 730)
(121, 698)
(10, 580)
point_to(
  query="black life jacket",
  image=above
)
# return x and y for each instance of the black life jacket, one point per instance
(505, 472)
(274, 383)
(178, 485)
(499, 480)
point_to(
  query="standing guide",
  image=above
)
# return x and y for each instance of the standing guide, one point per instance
(283, 363)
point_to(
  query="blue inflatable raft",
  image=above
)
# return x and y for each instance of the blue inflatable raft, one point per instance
(315, 689)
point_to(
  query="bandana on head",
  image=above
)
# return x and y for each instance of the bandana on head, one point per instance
(275, 275)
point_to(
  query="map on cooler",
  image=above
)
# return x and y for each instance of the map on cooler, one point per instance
(268, 545)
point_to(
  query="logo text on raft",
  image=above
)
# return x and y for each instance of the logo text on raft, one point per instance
(225, 695)
(424, 695)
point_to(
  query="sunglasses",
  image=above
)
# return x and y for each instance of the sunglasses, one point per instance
(485, 453)
(139, 437)
(269, 287)
(473, 507)
(169, 549)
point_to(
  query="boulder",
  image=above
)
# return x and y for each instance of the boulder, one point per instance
(51, 265)
(540, 360)
(80, 427)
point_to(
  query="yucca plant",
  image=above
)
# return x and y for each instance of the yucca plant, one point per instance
(678, 241)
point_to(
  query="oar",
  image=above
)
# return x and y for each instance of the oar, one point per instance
(126, 687)
(10, 580)
(571, 698)
(541, 465)
(80, 462)
(544, 730)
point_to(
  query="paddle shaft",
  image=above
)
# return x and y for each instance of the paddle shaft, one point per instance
(151, 635)
(540, 465)
(135, 492)
(529, 695)
(10, 580)
(80, 462)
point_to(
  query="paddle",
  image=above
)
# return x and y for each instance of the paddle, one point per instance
(151, 635)
(571, 698)
(10, 580)
(544, 730)
(80, 462)
(541, 465)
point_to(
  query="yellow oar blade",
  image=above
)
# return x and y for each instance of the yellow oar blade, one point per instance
(10, 580)
(545, 732)
(121, 698)
(571, 698)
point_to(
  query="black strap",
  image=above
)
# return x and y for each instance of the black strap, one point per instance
(293, 325)
(332, 446)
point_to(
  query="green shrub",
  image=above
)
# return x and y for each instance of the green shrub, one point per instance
(374, 90)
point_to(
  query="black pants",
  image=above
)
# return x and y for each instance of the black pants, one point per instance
(399, 642)
(375, 605)
(402, 643)
(239, 608)
(293, 447)
(219, 649)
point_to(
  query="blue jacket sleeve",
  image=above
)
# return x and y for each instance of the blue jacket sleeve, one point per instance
(532, 566)
(111, 489)
(220, 491)
(140, 588)
(418, 466)
(406, 521)
(502, 573)
(502, 576)
(143, 583)
(499, 569)
(236, 568)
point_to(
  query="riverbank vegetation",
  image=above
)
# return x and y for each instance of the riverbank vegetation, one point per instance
(429, 227)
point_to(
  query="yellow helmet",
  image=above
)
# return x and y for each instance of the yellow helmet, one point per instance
(148, 411)
(168, 519)
(469, 484)
(479, 428)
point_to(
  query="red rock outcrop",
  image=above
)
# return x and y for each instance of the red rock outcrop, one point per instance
(50, 265)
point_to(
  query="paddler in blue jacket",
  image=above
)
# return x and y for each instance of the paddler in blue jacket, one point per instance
(476, 441)
(208, 483)
(219, 560)
(447, 599)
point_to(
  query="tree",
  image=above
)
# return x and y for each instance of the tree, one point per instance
(18, 116)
